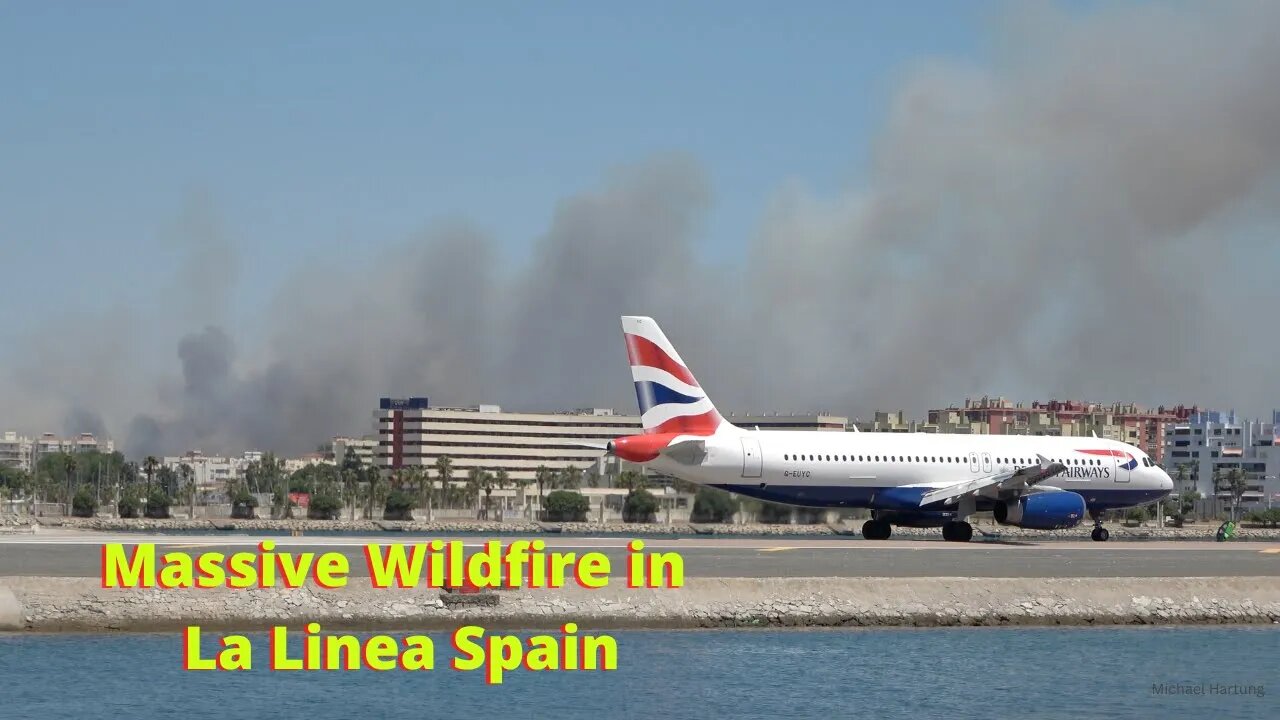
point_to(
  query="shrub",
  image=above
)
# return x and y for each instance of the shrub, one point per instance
(84, 504)
(243, 504)
(130, 506)
(157, 504)
(399, 506)
(774, 513)
(566, 506)
(640, 506)
(1136, 514)
(324, 507)
(1269, 517)
(713, 505)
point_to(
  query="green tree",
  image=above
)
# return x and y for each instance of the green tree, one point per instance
(398, 505)
(131, 501)
(84, 504)
(325, 504)
(712, 505)
(157, 504)
(640, 506)
(566, 506)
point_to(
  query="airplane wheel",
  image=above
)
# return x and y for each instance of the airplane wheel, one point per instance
(876, 530)
(957, 532)
(1100, 534)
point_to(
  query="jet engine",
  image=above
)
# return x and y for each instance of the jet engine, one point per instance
(1041, 511)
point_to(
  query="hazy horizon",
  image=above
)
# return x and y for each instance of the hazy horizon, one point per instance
(230, 230)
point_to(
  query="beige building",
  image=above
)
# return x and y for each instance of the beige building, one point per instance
(15, 450)
(365, 449)
(411, 434)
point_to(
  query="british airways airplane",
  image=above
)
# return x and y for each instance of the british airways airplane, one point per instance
(912, 480)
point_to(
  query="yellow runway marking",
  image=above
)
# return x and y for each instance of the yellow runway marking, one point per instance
(777, 549)
(1271, 551)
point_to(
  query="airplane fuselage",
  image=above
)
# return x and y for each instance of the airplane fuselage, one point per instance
(861, 470)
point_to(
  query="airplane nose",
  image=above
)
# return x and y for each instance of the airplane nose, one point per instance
(1166, 482)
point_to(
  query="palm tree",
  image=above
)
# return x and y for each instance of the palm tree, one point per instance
(475, 482)
(1237, 484)
(571, 478)
(501, 480)
(422, 477)
(350, 486)
(188, 476)
(545, 477)
(444, 471)
(632, 480)
(374, 479)
(71, 475)
(149, 466)
(523, 484)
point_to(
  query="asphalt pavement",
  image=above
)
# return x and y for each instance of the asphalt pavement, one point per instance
(77, 554)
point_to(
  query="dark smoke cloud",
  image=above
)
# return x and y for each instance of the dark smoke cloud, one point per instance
(1090, 214)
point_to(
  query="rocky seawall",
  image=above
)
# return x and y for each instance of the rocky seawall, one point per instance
(1203, 531)
(80, 604)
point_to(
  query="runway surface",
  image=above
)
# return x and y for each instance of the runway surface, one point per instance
(77, 554)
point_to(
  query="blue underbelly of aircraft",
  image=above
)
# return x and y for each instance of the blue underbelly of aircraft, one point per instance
(908, 498)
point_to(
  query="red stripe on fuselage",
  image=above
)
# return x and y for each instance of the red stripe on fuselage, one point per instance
(641, 351)
(1109, 453)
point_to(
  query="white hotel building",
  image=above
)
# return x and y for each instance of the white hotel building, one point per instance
(412, 434)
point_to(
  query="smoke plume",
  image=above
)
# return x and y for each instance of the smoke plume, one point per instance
(1090, 213)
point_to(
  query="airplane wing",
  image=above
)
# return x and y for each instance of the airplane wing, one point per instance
(1019, 480)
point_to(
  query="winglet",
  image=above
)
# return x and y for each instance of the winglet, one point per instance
(1044, 461)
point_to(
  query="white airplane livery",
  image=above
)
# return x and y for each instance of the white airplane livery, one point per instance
(913, 480)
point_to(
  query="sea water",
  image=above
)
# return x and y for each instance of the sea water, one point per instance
(1174, 672)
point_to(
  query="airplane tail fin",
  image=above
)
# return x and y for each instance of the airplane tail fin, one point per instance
(671, 401)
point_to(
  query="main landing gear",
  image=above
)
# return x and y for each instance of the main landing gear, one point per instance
(957, 531)
(877, 530)
(1100, 533)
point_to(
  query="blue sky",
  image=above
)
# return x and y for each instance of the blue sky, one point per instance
(331, 129)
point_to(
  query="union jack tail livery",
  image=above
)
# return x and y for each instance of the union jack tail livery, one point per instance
(671, 401)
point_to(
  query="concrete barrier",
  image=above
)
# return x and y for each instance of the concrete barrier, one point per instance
(54, 604)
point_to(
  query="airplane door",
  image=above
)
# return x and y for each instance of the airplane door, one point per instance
(1122, 469)
(751, 461)
(986, 462)
(973, 462)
